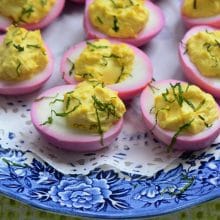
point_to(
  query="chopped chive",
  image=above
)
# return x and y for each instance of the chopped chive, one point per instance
(72, 67)
(156, 116)
(27, 11)
(217, 43)
(95, 46)
(43, 2)
(205, 123)
(178, 97)
(151, 110)
(195, 4)
(46, 97)
(112, 56)
(68, 102)
(99, 126)
(131, 2)
(86, 75)
(113, 2)
(25, 36)
(187, 88)
(56, 100)
(119, 77)
(115, 24)
(181, 129)
(18, 68)
(8, 43)
(99, 20)
(190, 104)
(153, 88)
(59, 114)
(33, 45)
(200, 105)
(18, 47)
(165, 94)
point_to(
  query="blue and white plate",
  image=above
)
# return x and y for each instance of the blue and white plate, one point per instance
(192, 179)
(108, 194)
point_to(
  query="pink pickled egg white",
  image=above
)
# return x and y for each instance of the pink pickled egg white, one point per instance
(183, 141)
(213, 21)
(209, 84)
(141, 74)
(61, 135)
(52, 15)
(29, 85)
(152, 28)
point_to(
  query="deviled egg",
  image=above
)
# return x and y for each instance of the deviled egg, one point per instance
(122, 67)
(30, 14)
(200, 12)
(131, 21)
(199, 53)
(85, 117)
(25, 61)
(180, 115)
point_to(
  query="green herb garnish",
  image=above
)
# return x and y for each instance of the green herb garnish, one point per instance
(178, 96)
(33, 46)
(112, 56)
(59, 114)
(119, 77)
(27, 11)
(205, 123)
(108, 108)
(99, 20)
(43, 2)
(156, 115)
(131, 2)
(180, 130)
(195, 4)
(72, 66)
(18, 47)
(165, 94)
(95, 46)
(18, 68)
(56, 100)
(46, 97)
(189, 103)
(200, 105)
(153, 88)
(8, 43)
(115, 24)
(113, 2)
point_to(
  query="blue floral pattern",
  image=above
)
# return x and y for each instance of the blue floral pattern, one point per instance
(108, 191)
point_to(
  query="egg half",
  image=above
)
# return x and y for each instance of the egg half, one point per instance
(152, 28)
(184, 141)
(140, 76)
(213, 21)
(52, 15)
(28, 85)
(211, 85)
(61, 135)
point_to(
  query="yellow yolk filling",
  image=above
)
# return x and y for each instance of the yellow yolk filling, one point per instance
(204, 51)
(26, 11)
(201, 8)
(185, 107)
(104, 62)
(93, 108)
(22, 54)
(118, 18)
